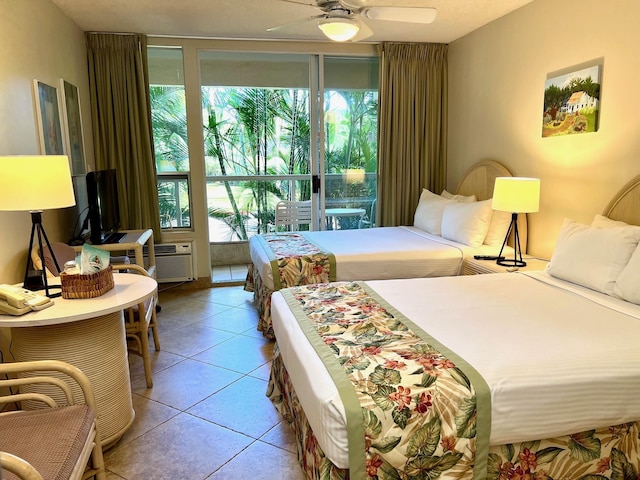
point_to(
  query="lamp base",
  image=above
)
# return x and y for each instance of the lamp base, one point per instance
(511, 262)
(516, 261)
(35, 279)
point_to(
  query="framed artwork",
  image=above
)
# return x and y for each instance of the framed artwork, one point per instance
(48, 119)
(572, 101)
(72, 125)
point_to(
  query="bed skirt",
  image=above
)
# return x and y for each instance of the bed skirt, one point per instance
(605, 453)
(314, 463)
(261, 299)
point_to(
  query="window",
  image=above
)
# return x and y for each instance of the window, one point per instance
(169, 124)
(259, 125)
(256, 138)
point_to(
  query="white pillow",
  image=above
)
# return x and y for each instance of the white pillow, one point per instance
(592, 257)
(500, 222)
(466, 223)
(601, 221)
(428, 214)
(458, 198)
(627, 286)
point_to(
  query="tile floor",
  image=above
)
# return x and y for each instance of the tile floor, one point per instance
(229, 274)
(207, 416)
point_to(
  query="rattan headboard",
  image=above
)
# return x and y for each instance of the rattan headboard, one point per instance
(625, 206)
(479, 180)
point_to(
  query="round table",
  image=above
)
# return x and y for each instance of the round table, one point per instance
(90, 334)
(336, 213)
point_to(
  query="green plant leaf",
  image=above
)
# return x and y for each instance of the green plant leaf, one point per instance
(508, 451)
(385, 376)
(387, 444)
(430, 468)
(547, 455)
(381, 397)
(387, 472)
(466, 418)
(401, 417)
(621, 469)
(584, 447)
(459, 376)
(493, 466)
(427, 380)
(425, 440)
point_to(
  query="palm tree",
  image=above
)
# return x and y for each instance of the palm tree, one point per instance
(168, 118)
(258, 131)
(214, 147)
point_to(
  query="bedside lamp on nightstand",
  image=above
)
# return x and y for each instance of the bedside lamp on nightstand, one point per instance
(515, 195)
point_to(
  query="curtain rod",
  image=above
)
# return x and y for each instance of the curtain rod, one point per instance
(112, 33)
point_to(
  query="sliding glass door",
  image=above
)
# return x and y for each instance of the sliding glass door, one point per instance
(350, 88)
(256, 120)
(275, 126)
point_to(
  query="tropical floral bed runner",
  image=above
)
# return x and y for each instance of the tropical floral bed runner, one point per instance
(296, 260)
(414, 409)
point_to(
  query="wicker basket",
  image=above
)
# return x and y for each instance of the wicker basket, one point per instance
(87, 286)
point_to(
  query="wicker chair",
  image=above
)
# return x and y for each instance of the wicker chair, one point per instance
(138, 320)
(57, 437)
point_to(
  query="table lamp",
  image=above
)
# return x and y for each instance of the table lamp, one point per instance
(515, 195)
(33, 184)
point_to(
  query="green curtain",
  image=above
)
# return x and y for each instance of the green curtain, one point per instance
(412, 127)
(121, 116)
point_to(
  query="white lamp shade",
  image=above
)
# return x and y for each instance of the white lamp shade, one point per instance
(31, 183)
(516, 194)
(339, 29)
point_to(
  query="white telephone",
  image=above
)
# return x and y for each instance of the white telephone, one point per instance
(17, 300)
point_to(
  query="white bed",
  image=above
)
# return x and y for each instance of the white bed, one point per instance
(396, 252)
(565, 329)
(561, 361)
(385, 252)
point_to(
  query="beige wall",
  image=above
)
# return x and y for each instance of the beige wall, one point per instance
(496, 87)
(38, 42)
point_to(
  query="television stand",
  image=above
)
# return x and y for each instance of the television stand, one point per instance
(114, 237)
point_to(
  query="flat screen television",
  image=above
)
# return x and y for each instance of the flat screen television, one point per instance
(104, 210)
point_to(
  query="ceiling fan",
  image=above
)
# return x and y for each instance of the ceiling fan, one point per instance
(343, 20)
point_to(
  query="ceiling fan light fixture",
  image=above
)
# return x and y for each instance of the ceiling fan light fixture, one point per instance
(339, 29)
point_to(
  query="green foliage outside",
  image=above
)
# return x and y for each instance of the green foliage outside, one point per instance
(260, 131)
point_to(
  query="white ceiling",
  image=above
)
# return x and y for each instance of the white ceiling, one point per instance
(250, 19)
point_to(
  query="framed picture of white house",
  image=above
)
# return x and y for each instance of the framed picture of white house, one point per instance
(572, 101)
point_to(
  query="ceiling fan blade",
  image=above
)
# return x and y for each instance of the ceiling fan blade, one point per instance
(297, 22)
(363, 33)
(302, 2)
(401, 14)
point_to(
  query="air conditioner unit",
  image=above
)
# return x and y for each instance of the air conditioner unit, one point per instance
(174, 261)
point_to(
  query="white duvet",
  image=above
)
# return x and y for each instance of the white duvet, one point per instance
(381, 253)
(558, 358)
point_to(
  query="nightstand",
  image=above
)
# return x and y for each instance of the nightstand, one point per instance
(471, 266)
